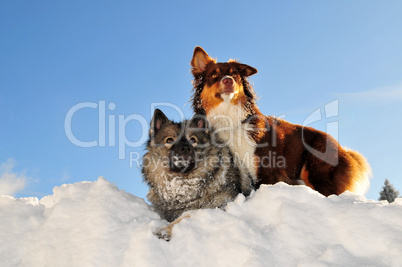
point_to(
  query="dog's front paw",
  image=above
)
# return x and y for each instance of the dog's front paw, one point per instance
(164, 233)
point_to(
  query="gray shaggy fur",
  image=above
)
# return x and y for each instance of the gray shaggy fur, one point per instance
(212, 179)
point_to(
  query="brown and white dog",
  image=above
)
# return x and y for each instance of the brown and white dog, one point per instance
(271, 149)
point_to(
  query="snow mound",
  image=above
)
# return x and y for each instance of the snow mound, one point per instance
(95, 224)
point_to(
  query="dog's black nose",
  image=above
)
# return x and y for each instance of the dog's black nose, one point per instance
(185, 148)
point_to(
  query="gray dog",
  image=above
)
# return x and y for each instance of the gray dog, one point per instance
(187, 167)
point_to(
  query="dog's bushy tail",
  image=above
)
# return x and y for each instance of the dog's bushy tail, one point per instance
(361, 172)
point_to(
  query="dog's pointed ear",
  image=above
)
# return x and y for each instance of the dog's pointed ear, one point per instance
(200, 60)
(247, 70)
(200, 122)
(158, 120)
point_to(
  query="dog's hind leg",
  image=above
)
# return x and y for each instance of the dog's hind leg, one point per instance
(166, 232)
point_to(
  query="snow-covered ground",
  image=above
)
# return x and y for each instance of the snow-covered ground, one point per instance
(96, 224)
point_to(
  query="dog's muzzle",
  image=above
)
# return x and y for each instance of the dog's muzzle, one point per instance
(182, 157)
(227, 85)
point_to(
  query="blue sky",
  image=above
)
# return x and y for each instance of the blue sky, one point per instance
(118, 60)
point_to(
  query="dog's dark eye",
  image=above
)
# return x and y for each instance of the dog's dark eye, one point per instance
(234, 75)
(214, 76)
(169, 140)
(193, 140)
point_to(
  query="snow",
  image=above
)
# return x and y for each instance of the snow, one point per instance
(96, 224)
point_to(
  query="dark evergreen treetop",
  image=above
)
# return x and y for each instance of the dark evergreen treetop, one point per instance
(388, 192)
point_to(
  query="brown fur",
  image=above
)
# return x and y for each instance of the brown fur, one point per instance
(331, 169)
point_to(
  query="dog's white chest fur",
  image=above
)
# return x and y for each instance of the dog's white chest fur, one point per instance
(227, 119)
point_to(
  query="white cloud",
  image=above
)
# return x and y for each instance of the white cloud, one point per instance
(11, 182)
(382, 94)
